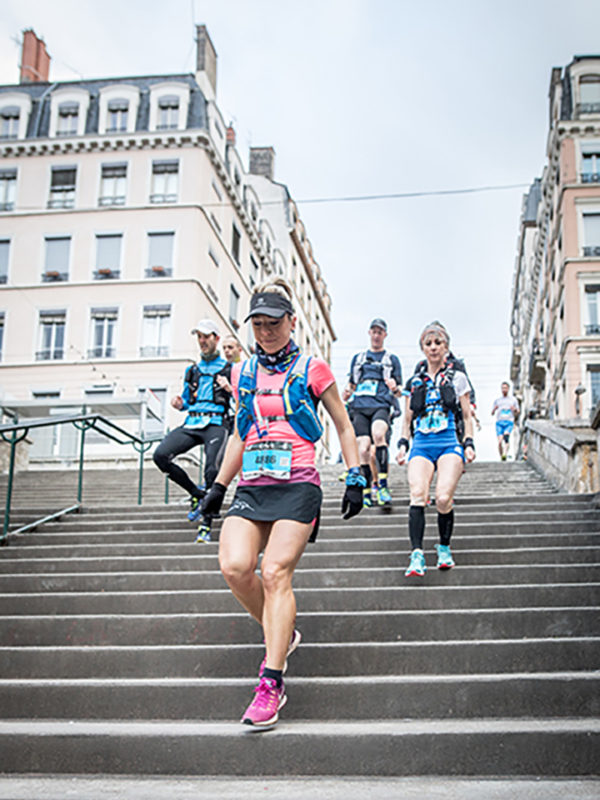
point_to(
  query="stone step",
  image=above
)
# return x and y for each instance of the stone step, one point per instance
(157, 580)
(517, 747)
(479, 656)
(338, 699)
(364, 626)
(354, 599)
(207, 559)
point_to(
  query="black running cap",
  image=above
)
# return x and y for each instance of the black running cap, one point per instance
(378, 323)
(271, 304)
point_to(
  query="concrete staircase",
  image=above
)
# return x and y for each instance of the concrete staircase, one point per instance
(122, 651)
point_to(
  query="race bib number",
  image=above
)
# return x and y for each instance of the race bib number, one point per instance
(434, 422)
(505, 413)
(270, 459)
(366, 389)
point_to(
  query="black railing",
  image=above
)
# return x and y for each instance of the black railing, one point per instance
(106, 274)
(56, 354)
(591, 251)
(152, 351)
(592, 330)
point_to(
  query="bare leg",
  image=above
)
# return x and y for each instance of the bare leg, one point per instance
(420, 475)
(240, 544)
(450, 468)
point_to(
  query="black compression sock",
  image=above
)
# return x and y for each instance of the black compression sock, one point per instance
(382, 458)
(445, 526)
(366, 471)
(274, 674)
(416, 526)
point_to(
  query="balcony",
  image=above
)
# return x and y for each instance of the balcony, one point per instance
(112, 200)
(3, 279)
(588, 108)
(590, 177)
(8, 206)
(106, 273)
(154, 351)
(159, 272)
(101, 352)
(591, 251)
(49, 355)
(592, 330)
(163, 198)
(53, 275)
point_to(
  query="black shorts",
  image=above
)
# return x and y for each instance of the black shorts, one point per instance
(363, 419)
(300, 502)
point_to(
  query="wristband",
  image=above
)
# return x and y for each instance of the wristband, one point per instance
(403, 443)
(468, 442)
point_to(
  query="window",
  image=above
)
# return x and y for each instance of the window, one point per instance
(235, 244)
(112, 185)
(1, 333)
(158, 402)
(4, 252)
(9, 122)
(590, 166)
(57, 258)
(165, 178)
(234, 299)
(589, 94)
(62, 187)
(594, 373)
(68, 117)
(51, 336)
(591, 234)
(116, 120)
(103, 330)
(160, 255)
(212, 255)
(108, 256)
(592, 294)
(254, 272)
(168, 113)
(8, 183)
(156, 330)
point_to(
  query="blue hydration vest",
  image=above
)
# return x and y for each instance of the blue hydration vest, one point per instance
(299, 409)
(203, 403)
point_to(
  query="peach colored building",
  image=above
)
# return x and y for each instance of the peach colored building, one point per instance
(126, 215)
(555, 324)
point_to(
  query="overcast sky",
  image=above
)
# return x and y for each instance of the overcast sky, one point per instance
(366, 97)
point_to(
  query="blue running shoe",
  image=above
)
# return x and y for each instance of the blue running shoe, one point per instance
(203, 536)
(384, 498)
(195, 511)
(417, 564)
(445, 560)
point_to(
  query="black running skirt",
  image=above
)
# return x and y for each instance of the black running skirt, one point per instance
(300, 502)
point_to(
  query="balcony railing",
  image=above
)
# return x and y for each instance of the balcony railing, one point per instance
(163, 198)
(154, 351)
(52, 275)
(106, 274)
(592, 330)
(101, 352)
(588, 108)
(9, 206)
(3, 278)
(112, 200)
(50, 355)
(590, 177)
(592, 251)
(159, 272)
(60, 200)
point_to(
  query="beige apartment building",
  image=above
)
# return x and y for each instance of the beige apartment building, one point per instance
(555, 326)
(126, 215)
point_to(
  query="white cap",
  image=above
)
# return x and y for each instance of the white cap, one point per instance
(206, 326)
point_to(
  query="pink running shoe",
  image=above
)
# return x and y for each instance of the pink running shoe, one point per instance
(294, 642)
(264, 709)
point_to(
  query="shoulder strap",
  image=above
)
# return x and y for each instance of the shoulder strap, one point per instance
(358, 364)
(387, 365)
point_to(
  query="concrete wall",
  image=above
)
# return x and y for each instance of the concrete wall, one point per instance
(566, 454)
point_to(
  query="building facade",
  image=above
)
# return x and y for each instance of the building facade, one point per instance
(126, 215)
(555, 326)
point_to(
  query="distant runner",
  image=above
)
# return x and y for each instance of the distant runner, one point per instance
(506, 410)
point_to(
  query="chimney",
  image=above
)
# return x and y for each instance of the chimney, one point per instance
(206, 63)
(35, 61)
(262, 162)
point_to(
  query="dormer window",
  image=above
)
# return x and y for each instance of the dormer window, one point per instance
(168, 113)
(68, 118)
(117, 114)
(9, 122)
(589, 94)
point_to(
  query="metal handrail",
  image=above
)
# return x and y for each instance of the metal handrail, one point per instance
(83, 422)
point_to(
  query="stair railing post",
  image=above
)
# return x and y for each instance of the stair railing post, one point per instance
(11, 470)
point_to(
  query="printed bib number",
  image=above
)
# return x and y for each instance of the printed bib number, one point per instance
(270, 459)
(505, 413)
(366, 389)
(434, 422)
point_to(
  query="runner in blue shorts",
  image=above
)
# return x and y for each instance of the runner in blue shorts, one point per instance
(505, 409)
(437, 395)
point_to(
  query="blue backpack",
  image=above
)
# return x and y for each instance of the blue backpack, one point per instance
(299, 409)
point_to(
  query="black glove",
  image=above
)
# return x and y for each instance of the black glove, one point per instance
(352, 501)
(213, 500)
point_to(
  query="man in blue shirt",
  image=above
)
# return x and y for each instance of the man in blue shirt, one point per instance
(206, 403)
(375, 380)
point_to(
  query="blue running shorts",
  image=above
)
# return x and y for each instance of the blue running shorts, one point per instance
(434, 445)
(504, 426)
